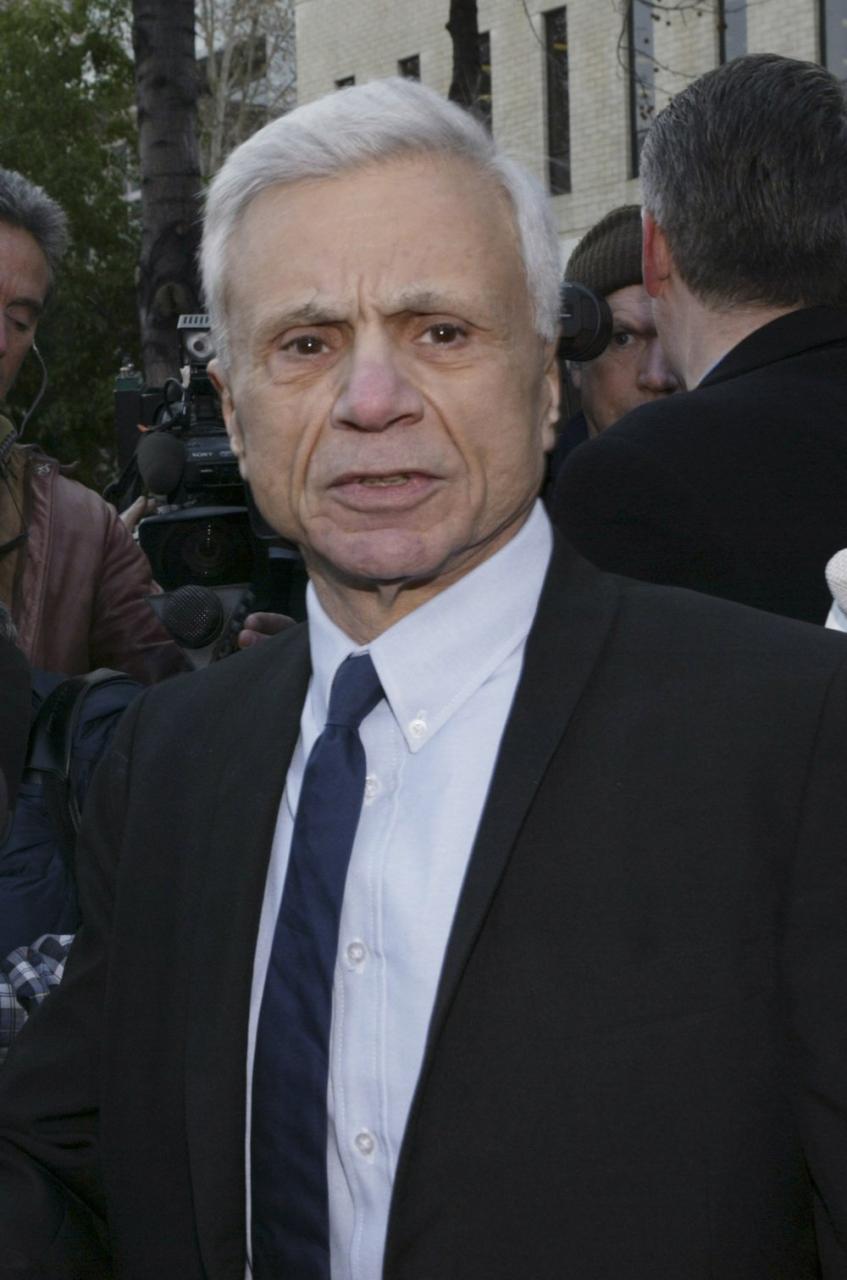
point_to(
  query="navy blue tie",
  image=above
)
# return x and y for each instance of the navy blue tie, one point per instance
(288, 1132)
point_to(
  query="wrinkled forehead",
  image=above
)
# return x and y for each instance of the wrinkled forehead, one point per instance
(431, 214)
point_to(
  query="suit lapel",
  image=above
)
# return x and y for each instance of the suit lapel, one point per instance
(574, 616)
(246, 790)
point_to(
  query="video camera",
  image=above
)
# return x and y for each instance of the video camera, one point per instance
(207, 531)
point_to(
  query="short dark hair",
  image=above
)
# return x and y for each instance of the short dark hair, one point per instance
(745, 171)
(25, 205)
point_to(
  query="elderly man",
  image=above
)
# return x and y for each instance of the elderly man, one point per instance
(69, 571)
(451, 934)
(737, 488)
(633, 369)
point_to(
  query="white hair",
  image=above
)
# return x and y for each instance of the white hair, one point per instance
(358, 126)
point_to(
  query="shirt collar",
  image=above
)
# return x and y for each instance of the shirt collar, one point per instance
(437, 657)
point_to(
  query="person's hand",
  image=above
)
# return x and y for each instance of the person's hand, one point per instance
(136, 511)
(261, 626)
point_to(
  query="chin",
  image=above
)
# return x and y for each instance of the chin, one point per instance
(386, 556)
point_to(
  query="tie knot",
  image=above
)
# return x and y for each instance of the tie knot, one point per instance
(355, 691)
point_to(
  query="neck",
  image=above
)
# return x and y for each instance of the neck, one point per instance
(364, 610)
(697, 336)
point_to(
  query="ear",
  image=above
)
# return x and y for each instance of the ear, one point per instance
(233, 428)
(656, 256)
(552, 396)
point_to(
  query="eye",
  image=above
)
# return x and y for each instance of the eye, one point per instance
(622, 338)
(445, 334)
(20, 326)
(307, 344)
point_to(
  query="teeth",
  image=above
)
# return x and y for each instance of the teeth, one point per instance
(383, 481)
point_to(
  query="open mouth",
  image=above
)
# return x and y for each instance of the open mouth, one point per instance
(381, 479)
(400, 477)
(385, 487)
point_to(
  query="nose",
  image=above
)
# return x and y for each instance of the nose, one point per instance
(376, 392)
(654, 373)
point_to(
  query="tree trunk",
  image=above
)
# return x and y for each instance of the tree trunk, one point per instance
(464, 32)
(166, 93)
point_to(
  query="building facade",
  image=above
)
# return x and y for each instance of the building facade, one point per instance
(572, 87)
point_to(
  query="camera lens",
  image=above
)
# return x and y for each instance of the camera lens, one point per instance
(199, 348)
(210, 551)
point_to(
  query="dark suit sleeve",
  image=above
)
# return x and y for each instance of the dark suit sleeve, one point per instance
(815, 960)
(628, 513)
(52, 1212)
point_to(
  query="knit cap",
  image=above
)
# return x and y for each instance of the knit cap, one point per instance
(608, 257)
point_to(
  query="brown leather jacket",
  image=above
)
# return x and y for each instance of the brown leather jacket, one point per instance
(76, 584)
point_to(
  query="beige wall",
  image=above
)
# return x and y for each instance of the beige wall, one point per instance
(365, 38)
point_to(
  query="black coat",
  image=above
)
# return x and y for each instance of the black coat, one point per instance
(637, 1063)
(737, 488)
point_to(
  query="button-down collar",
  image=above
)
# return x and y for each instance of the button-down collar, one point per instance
(436, 658)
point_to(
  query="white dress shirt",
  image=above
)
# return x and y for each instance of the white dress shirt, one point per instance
(449, 671)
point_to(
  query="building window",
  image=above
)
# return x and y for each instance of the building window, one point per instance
(558, 101)
(484, 98)
(833, 28)
(410, 68)
(732, 29)
(642, 71)
(345, 82)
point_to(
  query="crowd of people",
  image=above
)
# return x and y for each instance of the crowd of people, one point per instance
(492, 922)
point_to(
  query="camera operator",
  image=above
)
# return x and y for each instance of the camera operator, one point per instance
(633, 369)
(228, 579)
(70, 572)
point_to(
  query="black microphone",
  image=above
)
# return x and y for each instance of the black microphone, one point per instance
(194, 616)
(161, 458)
(204, 622)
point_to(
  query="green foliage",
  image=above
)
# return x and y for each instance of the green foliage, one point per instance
(67, 123)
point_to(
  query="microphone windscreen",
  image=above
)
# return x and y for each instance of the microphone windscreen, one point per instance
(836, 578)
(194, 616)
(161, 458)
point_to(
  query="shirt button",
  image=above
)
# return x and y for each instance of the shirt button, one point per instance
(356, 954)
(371, 786)
(365, 1142)
(417, 728)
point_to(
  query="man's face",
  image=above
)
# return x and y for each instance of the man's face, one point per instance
(632, 370)
(24, 280)
(387, 396)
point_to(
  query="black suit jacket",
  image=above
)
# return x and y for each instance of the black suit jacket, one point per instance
(737, 488)
(637, 1062)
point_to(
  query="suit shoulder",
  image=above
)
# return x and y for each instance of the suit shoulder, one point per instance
(676, 617)
(281, 656)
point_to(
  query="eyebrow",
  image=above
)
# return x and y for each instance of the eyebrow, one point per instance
(33, 303)
(428, 302)
(298, 314)
(414, 301)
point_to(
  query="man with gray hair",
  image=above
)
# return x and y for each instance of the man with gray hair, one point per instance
(737, 488)
(70, 573)
(448, 935)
